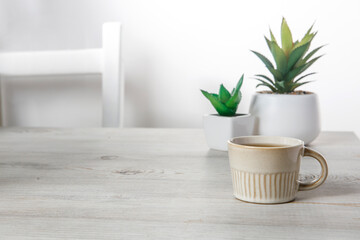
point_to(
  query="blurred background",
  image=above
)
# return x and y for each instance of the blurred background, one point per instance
(170, 50)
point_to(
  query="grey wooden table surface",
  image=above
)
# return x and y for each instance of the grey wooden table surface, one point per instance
(159, 184)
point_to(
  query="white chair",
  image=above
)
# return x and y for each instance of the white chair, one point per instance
(106, 61)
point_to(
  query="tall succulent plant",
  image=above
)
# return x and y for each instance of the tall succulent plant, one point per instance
(225, 103)
(291, 60)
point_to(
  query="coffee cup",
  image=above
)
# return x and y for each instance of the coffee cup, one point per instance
(266, 169)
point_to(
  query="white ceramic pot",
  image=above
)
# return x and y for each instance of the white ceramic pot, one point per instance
(219, 129)
(286, 115)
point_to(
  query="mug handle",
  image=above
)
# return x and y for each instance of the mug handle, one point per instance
(324, 170)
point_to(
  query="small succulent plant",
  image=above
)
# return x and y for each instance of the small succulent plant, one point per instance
(225, 103)
(291, 60)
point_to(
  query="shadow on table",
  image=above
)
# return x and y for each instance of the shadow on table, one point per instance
(341, 186)
(215, 153)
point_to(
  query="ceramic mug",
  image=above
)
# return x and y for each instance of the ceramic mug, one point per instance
(266, 169)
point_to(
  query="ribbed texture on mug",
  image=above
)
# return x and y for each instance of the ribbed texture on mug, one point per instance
(264, 188)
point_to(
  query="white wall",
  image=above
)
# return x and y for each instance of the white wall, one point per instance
(174, 48)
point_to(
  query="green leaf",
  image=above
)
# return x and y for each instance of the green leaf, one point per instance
(239, 84)
(280, 86)
(277, 74)
(296, 85)
(268, 42)
(224, 94)
(306, 39)
(279, 57)
(265, 77)
(219, 106)
(293, 73)
(264, 59)
(307, 57)
(308, 32)
(297, 80)
(235, 99)
(286, 37)
(272, 36)
(296, 55)
(263, 83)
(266, 85)
(308, 64)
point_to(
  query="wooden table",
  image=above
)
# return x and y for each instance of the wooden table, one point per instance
(159, 184)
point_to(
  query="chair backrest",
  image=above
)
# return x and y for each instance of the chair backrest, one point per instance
(106, 61)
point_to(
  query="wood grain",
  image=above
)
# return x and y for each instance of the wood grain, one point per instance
(160, 184)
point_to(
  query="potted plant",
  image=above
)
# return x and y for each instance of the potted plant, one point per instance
(284, 110)
(221, 127)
